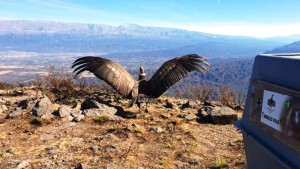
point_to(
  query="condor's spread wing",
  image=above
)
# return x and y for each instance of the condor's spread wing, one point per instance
(107, 70)
(172, 71)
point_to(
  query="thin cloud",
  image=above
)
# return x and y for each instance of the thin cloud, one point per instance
(70, 7)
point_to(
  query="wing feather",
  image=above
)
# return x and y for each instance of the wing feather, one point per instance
(110, 72)
(172, 71)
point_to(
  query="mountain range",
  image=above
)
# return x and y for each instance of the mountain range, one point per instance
(290, 48)
(54, 37)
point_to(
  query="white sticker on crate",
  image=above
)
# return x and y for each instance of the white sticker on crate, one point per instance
(274, 105)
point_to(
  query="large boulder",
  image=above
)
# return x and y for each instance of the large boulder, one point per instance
(218, 115)
(43, 108)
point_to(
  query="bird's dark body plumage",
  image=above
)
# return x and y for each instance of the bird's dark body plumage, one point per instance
(115, 75)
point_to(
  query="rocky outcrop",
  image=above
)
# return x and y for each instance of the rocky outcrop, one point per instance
(218, 115)
(67, 113)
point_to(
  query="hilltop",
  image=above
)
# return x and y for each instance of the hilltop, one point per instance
(290, 48)
(94, 128)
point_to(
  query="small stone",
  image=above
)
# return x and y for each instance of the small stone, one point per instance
(80, 166)
(76, 113)
(68, 118)
(170, 104)
(52, 151)
(111, 149)
(190, 117)
(165, 116)
(23, 164)
(100, 113)
(107, 137)
(157, 129)
(190, 104)
(95, 148)
(17, 112)
(45, 136)
(77, 139)
(78, 118)
(7, 154)
(4, 107)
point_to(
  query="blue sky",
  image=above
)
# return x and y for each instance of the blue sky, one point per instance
(259, 18)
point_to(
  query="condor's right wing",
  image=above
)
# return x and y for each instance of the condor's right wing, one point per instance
(172, 71)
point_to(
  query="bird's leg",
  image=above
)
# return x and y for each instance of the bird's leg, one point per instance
(146, 110)
(139, 105)
(133, 101)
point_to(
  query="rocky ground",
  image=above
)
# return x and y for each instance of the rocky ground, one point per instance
(98, 131)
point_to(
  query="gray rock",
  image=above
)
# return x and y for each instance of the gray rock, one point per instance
(111, 149)
(190, 104)
(96, 104)
(170, 104)
(190, 117)
(67, 118)
(101, 113)
(4, 107)
(157, 129)
(44, 108)
(182, 165)
(64, 111)
(91, 103)
(69, 114)
(76, 113)
(109, 137)
(52, 151)
(95, 148)
(218, 115)
(45, 136)
(79, 118)
(17, 112)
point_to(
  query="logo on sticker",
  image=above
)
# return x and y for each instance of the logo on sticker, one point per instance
(271, 102)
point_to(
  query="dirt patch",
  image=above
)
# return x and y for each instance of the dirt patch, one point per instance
(156, 140)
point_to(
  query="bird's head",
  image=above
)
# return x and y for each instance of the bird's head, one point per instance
(142, 75)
